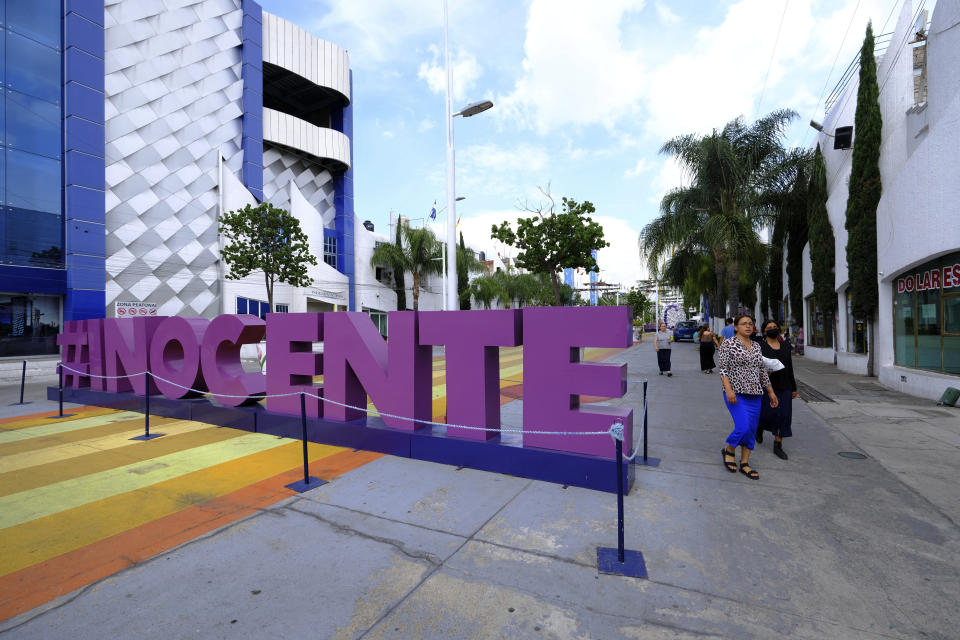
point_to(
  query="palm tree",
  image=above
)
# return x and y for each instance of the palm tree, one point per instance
(467, 263)
(485, 290)
(732, 172)
(419, 253)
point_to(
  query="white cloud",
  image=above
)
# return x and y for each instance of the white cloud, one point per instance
(666, 15)
(491, 169)
(643, 165)
(574, 72)
(425, 125)
(466, 71)
(670, 176)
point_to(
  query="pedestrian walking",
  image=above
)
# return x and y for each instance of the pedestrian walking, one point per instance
(728, 330)
(661, 345)
(778, 418)
(744, 381)
(708, 346)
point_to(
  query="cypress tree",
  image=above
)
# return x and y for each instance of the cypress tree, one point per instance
(796, 228)
(864, 194)
(822, 241)
(775, 277)
(400, 285)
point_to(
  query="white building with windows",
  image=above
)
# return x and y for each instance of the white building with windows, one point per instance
(917, 341)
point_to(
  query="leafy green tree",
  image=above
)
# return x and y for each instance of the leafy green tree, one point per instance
(641, 305)
(864, 195)
(822, 240)
(268, 239)
(550, 242)
(419, 253)
(733, 173)
(775, 270)
(794, 212)
(467, 263)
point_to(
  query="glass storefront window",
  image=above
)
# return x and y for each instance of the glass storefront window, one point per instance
(904, 329)
(819, 326)
(33, 68)
(32, 124)
(926, 316)
(37, 19)
(29, 324)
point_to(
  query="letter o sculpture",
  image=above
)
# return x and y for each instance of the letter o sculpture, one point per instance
(175, 356)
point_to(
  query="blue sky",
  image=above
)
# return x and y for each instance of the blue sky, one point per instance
(585, 94)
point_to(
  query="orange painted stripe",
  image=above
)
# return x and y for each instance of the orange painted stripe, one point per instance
(36, 419)
(33, 586)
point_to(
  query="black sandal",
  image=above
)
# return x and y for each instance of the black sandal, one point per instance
(752, 473)
(730, 464)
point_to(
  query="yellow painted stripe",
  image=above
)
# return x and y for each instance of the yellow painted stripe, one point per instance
(31, 444)
(44, 538)
(43, 501)
(66, 425)
(85, 447)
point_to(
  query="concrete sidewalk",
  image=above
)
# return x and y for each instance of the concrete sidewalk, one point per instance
(820, 547)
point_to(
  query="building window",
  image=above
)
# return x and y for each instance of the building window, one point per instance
(856, 330)
(819, 326)
(281, 308)
(29, 324)
(330, 250)
(252, 307)
(379, 320)
(926, 316)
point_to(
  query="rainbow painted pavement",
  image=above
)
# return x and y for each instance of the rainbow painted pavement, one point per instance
(80, 501)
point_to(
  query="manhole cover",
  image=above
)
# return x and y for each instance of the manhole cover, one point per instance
(855, 455)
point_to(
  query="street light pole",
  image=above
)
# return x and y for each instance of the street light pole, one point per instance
(450, 283)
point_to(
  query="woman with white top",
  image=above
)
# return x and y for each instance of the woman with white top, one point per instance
(661, 345)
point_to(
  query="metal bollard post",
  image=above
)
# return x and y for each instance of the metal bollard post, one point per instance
(23, 381)
(620, 561)
(644, 421)
(146, 411)
(60, 388)
(60, 413)
(308, 482)
(303, 426)
(620, 501)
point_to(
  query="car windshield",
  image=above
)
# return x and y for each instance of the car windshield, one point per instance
(687, 324)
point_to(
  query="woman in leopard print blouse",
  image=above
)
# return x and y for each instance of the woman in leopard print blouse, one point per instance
(744, 381)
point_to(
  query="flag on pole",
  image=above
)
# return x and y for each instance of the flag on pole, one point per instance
(458, 220)
(433, 211)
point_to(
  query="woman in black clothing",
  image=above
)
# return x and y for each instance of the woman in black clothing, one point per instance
(777, 419)
(708, 347)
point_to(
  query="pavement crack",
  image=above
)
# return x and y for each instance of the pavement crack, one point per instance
(429, 558)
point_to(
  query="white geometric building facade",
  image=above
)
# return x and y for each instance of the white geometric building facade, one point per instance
(211, 103)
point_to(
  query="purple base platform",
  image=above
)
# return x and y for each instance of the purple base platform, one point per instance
(501, 454)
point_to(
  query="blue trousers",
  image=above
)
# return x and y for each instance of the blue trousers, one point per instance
(745, 414)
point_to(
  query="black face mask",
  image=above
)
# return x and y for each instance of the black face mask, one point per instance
(773, 333)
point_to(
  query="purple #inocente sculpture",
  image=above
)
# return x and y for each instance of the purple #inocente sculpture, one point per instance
(356, 362)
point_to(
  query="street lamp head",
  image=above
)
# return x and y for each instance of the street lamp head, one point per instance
(474, 108)
(459, 198)
(816, 125)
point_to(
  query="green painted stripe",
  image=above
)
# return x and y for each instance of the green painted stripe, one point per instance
(65, 425)
(36, 503)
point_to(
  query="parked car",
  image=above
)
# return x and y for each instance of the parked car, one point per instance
(685, 330)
